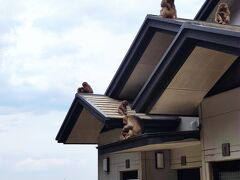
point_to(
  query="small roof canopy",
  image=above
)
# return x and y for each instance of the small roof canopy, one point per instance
(153, 141)
(199, 56)
(91, 114)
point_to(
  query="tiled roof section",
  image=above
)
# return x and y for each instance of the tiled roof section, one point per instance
(108, 107)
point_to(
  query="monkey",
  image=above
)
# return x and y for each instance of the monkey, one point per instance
(168, 9)
(122, 108)
(86, 88)
(132, 128)
(222, 15)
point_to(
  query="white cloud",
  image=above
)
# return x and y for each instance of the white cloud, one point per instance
(41, 60)
(29, 146)
(40, 164)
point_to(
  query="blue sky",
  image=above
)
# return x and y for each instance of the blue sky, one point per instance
(47, 48)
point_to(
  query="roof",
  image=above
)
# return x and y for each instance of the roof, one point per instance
(90, 114)
(206, 10)
(151, 141)
(170, 67)
(153, 38)
(199, 56)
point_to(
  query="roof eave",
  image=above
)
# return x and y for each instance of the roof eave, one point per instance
(149, 27)
(72, 116)
(148, 139)
(206, 10)
(191, 35)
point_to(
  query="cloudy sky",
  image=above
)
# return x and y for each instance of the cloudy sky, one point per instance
(47, 48)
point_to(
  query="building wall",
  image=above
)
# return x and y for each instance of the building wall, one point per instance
(145, 163)
(193, 157)
(118, 164)
(220, 119)
(150, 172)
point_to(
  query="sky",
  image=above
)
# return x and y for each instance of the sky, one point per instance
(47, 49)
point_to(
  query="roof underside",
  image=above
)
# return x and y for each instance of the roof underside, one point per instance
(197, 59)
(152, 40)
(91, 114)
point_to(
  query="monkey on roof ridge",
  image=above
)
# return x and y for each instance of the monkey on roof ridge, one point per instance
(132, 128)
(168, 9)
(122, 108)
(86, 88)
(222, 15)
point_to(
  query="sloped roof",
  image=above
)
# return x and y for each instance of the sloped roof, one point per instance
(153, 38)
(199, 46)
(206, 10)
(90, 114)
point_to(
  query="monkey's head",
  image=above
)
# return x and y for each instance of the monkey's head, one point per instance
(223, 7)
(125, 103)
(84, 84)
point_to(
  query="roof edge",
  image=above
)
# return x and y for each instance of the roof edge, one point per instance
(139, 44)
(206, 10)
(72, 115)
(147, 139)
(190, 35)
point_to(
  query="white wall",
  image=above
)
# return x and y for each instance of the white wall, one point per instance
(118, 164)
(220, 119)
(151, 173)
(193, 157)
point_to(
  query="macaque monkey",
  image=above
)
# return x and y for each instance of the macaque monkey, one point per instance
(132, 127)
(222, 15)
(168, 9)
(122, 108)
(86, 88)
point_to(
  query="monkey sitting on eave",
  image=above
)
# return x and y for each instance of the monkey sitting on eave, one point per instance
(132, 128)
(86, 88)
(222, 15)
(168, 9)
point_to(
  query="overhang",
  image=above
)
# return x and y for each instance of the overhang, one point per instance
(91, 114)
(206, 10)
(199, 56)
(152, 141)
(149, 45)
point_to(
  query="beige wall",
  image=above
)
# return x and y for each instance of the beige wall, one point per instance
(117, 164)
(144, 162)
(151, 173)
(220, 119)
(193, 157)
